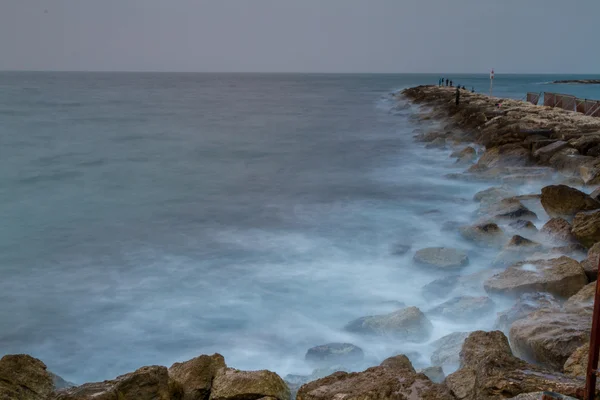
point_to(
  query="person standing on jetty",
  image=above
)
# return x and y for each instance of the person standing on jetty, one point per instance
(450, 83)
(457, 95)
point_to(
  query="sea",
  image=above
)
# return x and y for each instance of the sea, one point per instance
(148, 218)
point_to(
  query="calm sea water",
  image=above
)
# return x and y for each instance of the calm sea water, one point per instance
(150, 218)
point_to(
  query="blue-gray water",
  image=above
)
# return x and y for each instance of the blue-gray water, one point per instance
(150, 218)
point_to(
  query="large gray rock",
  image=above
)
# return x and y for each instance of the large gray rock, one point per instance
(586, 227)
(146, 383)
(196, 375)
(590, 264)
(334, 354)
(487, 233)
(548, 337)
(563, 277)
(506, 209)
(464, 308)
(392, 380)
(582, 299)
(489, 371)
(564, 201)
(558, 230)
(232, 384)
(545, 153)
(408, 324)
(494, 194)
(23, 377)
(440, 288)
(441, 257)
(576, 364)
(525, 305)
(447, 349)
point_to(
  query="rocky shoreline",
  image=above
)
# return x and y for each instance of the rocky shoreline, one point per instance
(580, 81)
(547, 273)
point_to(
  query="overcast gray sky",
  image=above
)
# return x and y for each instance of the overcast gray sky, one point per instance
(547, 36)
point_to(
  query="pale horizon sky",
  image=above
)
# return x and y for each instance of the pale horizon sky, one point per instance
(345, 36)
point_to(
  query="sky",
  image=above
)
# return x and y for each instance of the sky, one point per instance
(446, 36)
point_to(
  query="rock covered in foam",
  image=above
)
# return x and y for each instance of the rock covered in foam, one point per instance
(408, 324)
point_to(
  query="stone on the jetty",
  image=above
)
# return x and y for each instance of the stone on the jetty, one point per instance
(439, 143)
(494, 194)
(447, 349)
(540, 396)
(464, 308)
(24, 377)
(559, 230)
(400, 361)
(508, 155)
(594, 152)
(429, 136)
(545, 153)
(489, 371)
(435, 374)
(507, 209)
(584, 143)
(584, 299)
(196, 375)
(576, 364)
(562, 161)
(388, 381)
(467, 151)
(519, 241)
(408, 324)
(523, 224)
(590, 264)
(442, 257)
(586, 227)
(549, 336)
(596, 194)
(564, 201)
(525, 305)
(590, 173)
(146, 383)
(517, 249)
(487, 233)
(232, 384)
(334, 354)
(440, 288)
(563, 277)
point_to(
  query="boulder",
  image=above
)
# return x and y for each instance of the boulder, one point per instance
(466, 152)
(590, 264)
(576, 364)
(334, 354)
(488, 233)
(506, 209)
(508, 155)
(516, 250)
(232, 384)
(563, 277)
(584, 299)
(146, 383)
(518, 241)
(586, 227)
(569, 163)
(439, 143)
(540, 396)
(447, 349)
(559, 230)
(565, 201)
(594, 152)
(489, 371)
(584, 143)
(590, 174)
(389, 381)
(441, 257)
(464, 308)
(440, 288)
(196, 375)
(494, 194)
(596, 194)
(435, 374)
(23, 377)
(523, 225)
(549, 336)
(408, 324)
(525, 305)
(544, 154)
(398, 362)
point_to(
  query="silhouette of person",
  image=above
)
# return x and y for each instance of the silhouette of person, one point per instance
(450, 83)
(446, 81)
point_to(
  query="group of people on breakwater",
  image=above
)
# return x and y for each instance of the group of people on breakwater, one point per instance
(450, 83)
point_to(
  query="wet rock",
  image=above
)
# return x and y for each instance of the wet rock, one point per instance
(574, 250)
(441, 257)
(564, 201)
(196, 375)
(24, 377)
(508, 155)
(232, 384)
(489, 371)
(466, 152)
(594, 152)
(540, 396)
(590, 264)
(510, 208)
(545, 153)
(584, 299)
(522, 224)
(525, 305)
(576, 364)
(590, 174)
(439, 143)
(435, 374)
(563, 277)
(518, 241)
(447, 349)
(494, 194)
(549, 336)
(398, 362)
(334, 353)
(596, 194)
(440, 288)
(570, 163)
(516, 250)
(487, 233)
(409, 324)
(146, 383)
(584, 143)
(389, 381)
(464, 308)
(586, 227)
(559, 230)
